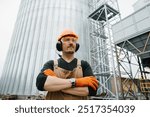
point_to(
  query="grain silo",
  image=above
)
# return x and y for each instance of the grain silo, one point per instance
(38, 24)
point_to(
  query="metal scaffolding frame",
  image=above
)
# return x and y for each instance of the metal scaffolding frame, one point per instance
(130, 56)
(103, 14)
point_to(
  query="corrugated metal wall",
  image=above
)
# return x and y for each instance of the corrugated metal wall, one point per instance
(39, 22)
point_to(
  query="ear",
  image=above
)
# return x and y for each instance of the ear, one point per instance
(59, 46)
(77, 47)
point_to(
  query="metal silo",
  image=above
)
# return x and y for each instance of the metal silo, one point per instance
(38, 24)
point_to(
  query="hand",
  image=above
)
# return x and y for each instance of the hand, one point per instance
(87, 81)
(49, 72)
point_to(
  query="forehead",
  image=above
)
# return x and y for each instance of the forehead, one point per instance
(69, 37)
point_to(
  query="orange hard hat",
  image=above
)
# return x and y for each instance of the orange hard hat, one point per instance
(67, 32)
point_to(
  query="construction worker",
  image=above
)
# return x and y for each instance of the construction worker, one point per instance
(67, 78)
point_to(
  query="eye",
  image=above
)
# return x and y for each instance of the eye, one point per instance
(74, 40)
(67, 39)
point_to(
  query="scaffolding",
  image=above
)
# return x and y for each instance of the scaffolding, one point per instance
(104, 13)
(132, 41)
(133, 56)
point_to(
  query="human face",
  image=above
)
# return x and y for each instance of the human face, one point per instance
(69, 44)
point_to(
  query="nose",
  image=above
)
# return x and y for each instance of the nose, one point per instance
(71, 41)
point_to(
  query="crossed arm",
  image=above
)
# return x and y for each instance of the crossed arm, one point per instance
(53, 84)
(48, 81)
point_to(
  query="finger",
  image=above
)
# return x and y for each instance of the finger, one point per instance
(92, 86)
(95, 84)
(94, 79)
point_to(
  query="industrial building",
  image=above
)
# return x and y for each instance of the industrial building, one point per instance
(131, 37)
(107, 42)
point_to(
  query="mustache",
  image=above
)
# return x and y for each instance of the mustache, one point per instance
(70, 46)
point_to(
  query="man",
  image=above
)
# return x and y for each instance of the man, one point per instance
(67, 78)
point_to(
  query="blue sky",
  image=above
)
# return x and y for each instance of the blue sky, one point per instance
(8, 14)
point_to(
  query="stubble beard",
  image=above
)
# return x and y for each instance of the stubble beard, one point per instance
(70, 51)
